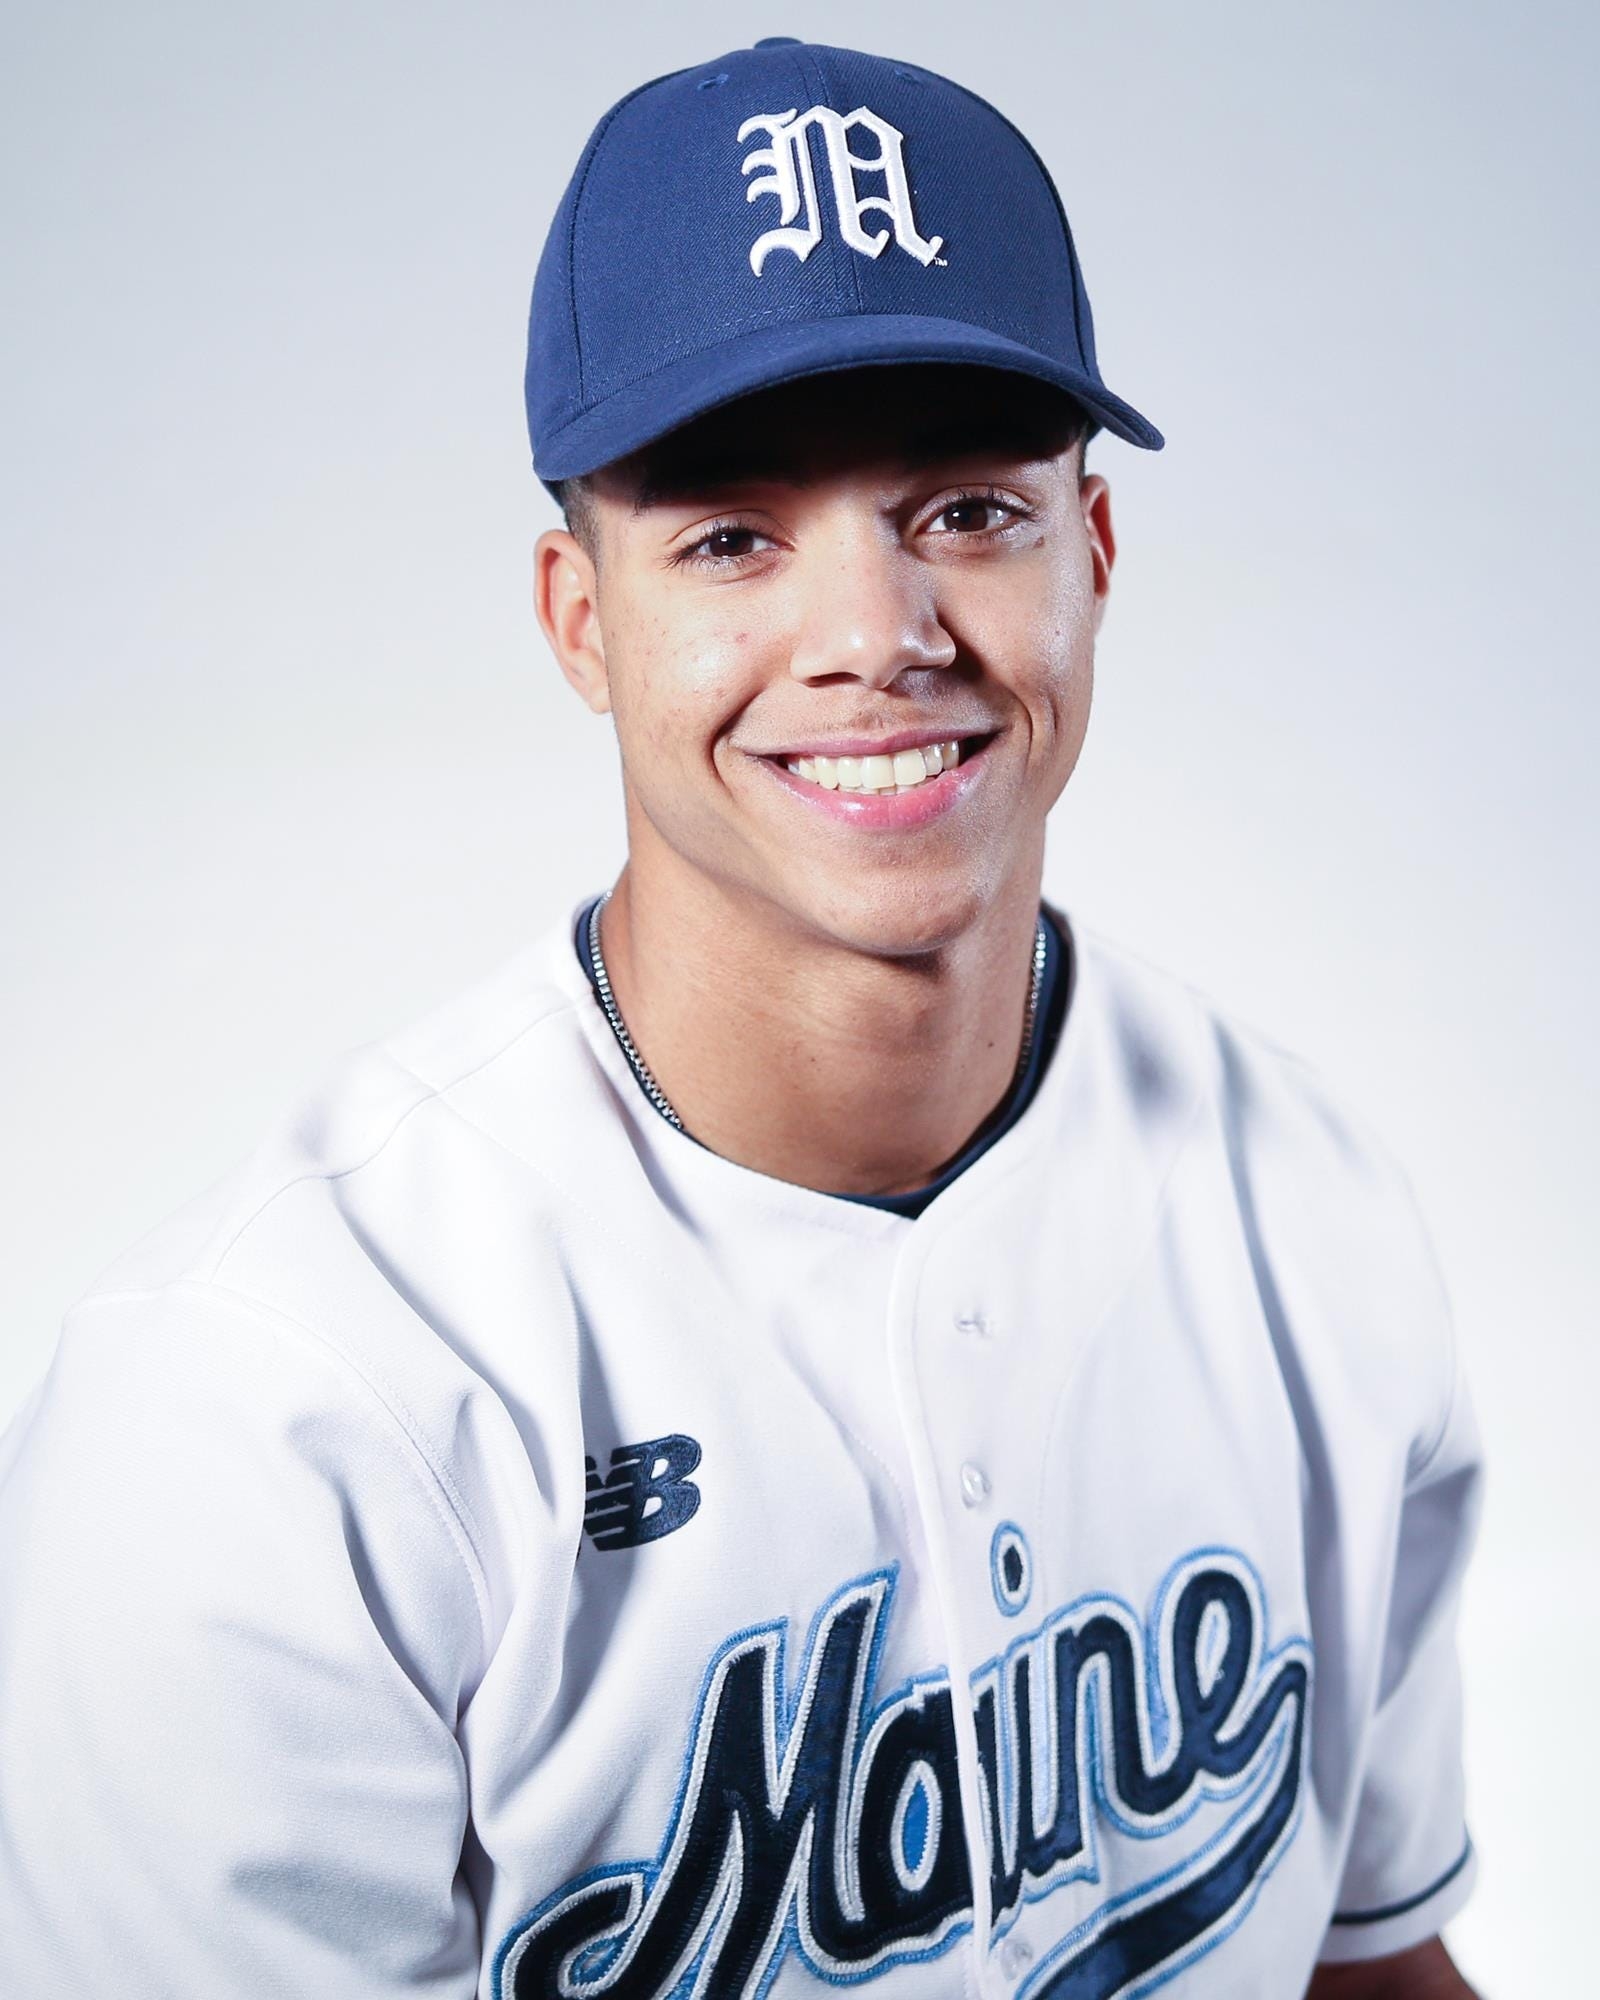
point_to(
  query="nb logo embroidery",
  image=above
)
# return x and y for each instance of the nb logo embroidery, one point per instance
(645, 1495)
(791, 180)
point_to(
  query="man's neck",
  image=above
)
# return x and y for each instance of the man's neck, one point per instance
(810, 1061)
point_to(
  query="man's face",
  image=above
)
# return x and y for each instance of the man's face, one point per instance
(857, 567)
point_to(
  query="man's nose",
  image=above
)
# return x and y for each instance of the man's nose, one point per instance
(871, 614)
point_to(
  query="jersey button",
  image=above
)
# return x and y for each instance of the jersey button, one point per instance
(974, 1484)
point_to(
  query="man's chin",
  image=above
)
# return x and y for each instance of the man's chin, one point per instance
(901, 920)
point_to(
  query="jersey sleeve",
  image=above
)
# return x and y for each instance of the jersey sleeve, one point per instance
(239, 1618)
(1410, 1862)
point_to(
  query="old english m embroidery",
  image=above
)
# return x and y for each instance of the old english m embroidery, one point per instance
(792, 180)
(816, 1825)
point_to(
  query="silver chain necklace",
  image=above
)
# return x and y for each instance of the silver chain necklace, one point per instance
(653, 1090)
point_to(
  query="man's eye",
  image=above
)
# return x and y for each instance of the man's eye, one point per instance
(730, 544)
(973, 514)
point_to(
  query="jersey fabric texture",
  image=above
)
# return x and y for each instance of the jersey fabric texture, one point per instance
(1054, 990)
(491, 1544)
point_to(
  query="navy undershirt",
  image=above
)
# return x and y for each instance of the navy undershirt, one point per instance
(1054, 994)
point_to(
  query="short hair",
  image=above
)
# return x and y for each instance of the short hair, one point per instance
(575, 496)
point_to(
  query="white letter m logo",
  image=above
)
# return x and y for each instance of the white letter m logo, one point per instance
(791, 178)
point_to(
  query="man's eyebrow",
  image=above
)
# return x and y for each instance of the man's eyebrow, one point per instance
(687, 479)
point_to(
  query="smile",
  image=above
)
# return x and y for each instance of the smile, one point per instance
(885, 791)
(902, 772)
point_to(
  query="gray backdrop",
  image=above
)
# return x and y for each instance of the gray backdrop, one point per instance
(282, 759)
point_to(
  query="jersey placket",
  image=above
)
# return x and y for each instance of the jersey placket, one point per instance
(947, 1371)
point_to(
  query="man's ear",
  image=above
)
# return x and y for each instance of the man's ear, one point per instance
(1094, 497)
(565, 597)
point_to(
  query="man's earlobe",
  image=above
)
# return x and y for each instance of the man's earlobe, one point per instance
(566, 600)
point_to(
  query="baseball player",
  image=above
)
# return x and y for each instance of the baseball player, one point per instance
(825, 1426)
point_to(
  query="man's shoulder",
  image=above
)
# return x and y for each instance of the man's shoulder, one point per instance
(1320, 1202)
(1167, 1033)
(346, 1294)
(369, 1115)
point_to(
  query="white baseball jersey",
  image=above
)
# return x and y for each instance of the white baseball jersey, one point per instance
(491, 1544)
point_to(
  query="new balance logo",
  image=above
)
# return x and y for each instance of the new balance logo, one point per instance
(791, 180)
(646, 1493)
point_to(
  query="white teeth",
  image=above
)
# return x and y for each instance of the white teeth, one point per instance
(901, 772)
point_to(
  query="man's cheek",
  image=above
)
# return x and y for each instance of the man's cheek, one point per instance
(693, 690)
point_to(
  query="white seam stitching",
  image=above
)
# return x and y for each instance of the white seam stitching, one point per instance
(430, 1091)
(454, 1513)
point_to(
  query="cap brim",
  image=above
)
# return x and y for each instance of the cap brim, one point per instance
(681, 390)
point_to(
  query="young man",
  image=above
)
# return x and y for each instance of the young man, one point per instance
(824, 1426)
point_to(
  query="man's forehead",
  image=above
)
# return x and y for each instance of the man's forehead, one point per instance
(905, 420)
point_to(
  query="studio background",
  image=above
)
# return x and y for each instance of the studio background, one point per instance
(283, 760)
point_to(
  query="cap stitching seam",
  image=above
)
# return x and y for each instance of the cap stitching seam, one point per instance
(1078, 288)
(595, 142)
(837, 248)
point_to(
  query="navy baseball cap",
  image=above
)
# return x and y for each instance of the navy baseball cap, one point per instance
(791, 210)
